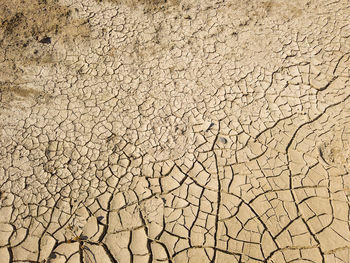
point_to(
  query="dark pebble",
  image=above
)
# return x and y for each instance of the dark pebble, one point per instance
(46, 40)
(210, 126)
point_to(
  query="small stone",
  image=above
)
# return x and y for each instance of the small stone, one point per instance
(223, 140)
(45, 40)
(210, 126)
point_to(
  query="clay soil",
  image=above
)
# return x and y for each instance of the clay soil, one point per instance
(174, 131)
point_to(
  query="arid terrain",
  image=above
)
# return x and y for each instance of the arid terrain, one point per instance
(154, 131)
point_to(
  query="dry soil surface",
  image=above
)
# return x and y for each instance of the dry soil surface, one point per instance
(174, 131)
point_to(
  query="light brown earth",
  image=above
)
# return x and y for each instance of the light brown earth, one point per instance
(174, 131)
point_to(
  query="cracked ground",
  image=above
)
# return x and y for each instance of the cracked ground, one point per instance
(174, 131)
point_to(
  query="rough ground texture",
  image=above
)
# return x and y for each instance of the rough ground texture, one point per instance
(174, 131)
